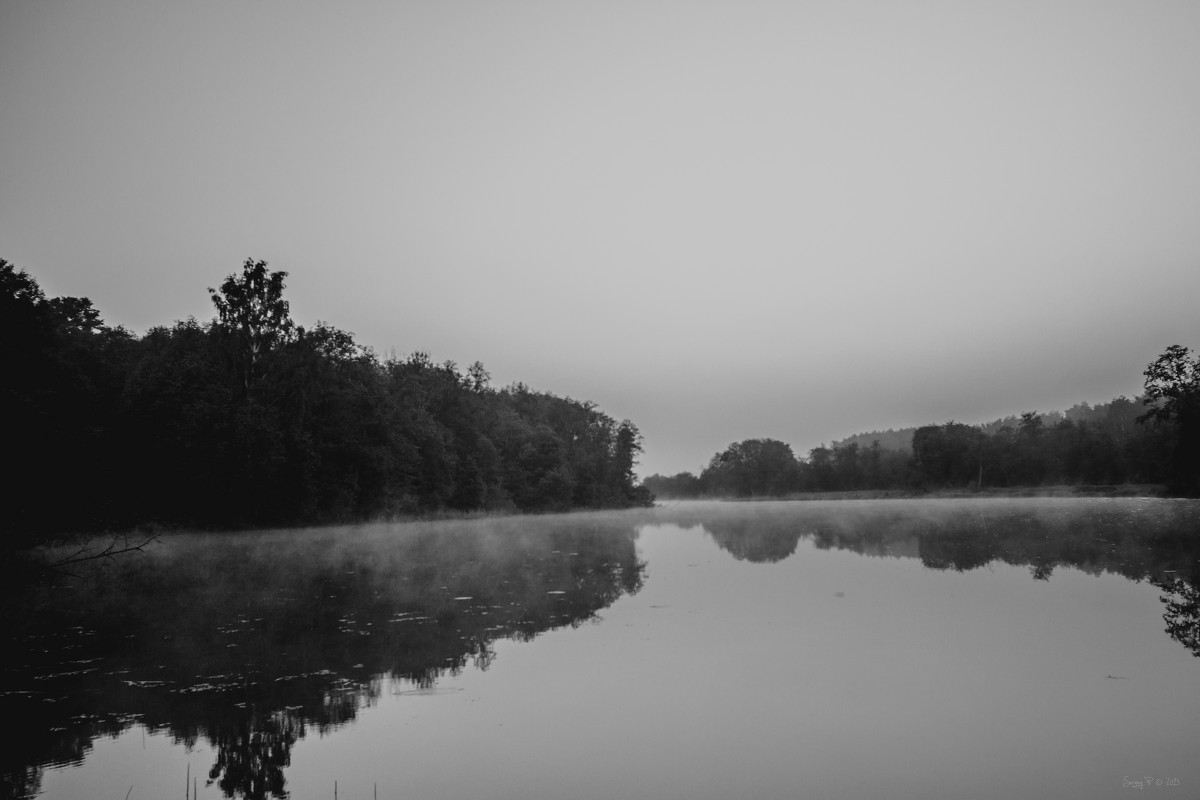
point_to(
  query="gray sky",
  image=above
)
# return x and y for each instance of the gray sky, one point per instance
(799, 220)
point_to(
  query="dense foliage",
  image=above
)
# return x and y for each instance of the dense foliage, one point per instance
(251, 419)
(1106, 444)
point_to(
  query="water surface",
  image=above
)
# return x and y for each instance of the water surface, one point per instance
(998, 648)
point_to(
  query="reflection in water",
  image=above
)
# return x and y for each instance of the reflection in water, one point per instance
(762, 540)
(1182, 616)
(1143, 540)
(247, 641)
(252, 753)
(250, 643)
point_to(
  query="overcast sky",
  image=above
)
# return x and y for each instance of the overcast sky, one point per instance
(722, 220)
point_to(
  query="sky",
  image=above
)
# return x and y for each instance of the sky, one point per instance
(721, 220)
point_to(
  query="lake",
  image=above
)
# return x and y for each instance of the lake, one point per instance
(983, 648)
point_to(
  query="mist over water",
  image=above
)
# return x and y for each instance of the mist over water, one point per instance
(903, 648)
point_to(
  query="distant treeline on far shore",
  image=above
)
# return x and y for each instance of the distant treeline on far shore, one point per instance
(1153, 439)
(249, 419)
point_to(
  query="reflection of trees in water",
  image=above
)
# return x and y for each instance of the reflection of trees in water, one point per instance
(1144, 540)
(252, 753)
(960, 553)
(766, 541)
(248, 640)
(1182, 616)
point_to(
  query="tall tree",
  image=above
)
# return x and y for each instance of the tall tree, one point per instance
(252, 312)
(628, 446)
(1173, 394)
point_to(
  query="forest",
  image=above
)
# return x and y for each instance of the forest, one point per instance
(252, 420)
(249, 419)
(1154, 439)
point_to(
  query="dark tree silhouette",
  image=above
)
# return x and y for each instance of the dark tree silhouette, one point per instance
(251, 419)
(251, 311)
(752, 467)
(1173, 394)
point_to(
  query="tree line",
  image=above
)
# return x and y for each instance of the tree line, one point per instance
(250, 419)
(1154, 439)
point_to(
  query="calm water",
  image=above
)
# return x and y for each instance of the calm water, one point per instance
(875, 649)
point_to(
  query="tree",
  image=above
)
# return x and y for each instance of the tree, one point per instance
(950, 454)
(682, 484)
(820, 469)
(1173, 394)
(252, 312)
(1173, 386)
(628, 446)
(752, 467)
(64, 371)
(478, 377)
(846, 467)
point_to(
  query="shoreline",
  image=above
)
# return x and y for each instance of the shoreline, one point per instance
(1082, 490)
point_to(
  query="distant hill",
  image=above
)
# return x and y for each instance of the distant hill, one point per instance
(900, 441)
(1117, 417)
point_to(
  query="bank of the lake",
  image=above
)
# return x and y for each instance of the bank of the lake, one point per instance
(1086, 490)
